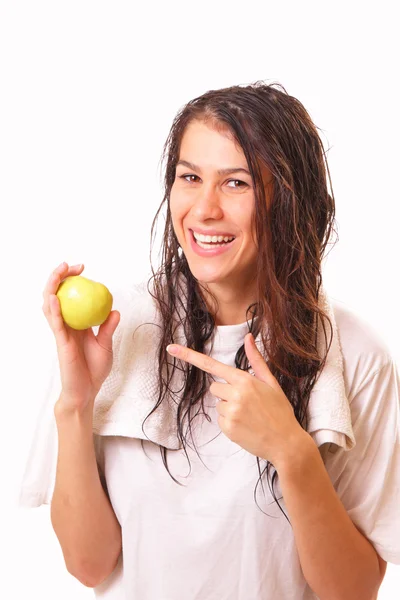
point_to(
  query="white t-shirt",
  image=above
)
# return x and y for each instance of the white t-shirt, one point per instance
(207, 539)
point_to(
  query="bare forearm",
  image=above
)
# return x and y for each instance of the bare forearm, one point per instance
(81, 514)
(338, 562)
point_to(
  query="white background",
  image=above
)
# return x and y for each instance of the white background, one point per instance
(88, 94)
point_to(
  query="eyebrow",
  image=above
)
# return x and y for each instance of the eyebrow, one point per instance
(190, 165)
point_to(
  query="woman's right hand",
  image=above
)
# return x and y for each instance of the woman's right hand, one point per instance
(85, 359)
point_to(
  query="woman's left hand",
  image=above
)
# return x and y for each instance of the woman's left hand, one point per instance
(254, 412)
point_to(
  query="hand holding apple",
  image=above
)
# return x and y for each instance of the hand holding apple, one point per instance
(85, 359)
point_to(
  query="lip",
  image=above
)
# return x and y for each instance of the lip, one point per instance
(211, 232)
(209, 253)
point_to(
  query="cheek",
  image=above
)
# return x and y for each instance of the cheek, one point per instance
(177, 204)
(243, 217)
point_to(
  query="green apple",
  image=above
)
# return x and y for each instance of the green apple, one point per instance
(84, 303)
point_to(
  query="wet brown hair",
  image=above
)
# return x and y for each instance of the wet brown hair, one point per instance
(292, 231)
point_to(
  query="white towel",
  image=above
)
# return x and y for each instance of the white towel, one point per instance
(131, 391)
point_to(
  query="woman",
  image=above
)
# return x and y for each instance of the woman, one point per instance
(245, 166)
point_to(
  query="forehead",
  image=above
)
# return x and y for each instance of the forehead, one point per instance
(201, 140)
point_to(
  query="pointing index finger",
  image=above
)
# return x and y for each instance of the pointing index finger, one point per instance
(206, 363)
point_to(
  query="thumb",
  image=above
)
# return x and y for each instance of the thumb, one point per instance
(255, 359)
(257, 362)
(107, 329)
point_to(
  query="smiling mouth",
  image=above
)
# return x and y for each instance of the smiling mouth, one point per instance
(209, 245)
(209, 249)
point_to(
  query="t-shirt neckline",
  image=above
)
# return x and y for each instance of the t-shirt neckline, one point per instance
(230, 336)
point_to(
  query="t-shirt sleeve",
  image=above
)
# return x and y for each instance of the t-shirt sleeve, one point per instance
(367, 478)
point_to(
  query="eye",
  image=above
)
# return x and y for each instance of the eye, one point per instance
(229, 180)
(238, 181)
(184, 177)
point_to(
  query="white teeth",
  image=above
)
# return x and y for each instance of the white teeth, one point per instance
(208, 246)
(212, 238)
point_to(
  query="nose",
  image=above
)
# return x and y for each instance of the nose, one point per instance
(207, 205)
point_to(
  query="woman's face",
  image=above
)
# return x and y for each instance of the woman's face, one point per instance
(206, 201)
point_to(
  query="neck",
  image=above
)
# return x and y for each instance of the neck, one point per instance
(233, 302)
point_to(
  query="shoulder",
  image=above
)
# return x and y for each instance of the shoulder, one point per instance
(364, 349)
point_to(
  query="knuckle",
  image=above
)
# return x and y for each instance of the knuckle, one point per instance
(235, 412)
(237, 395)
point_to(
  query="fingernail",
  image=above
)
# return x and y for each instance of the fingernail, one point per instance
(171, 349)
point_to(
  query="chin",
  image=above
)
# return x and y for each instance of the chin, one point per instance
(203, 276)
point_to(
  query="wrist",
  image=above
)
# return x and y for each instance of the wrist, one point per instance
(67, 410)
(299, 450)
